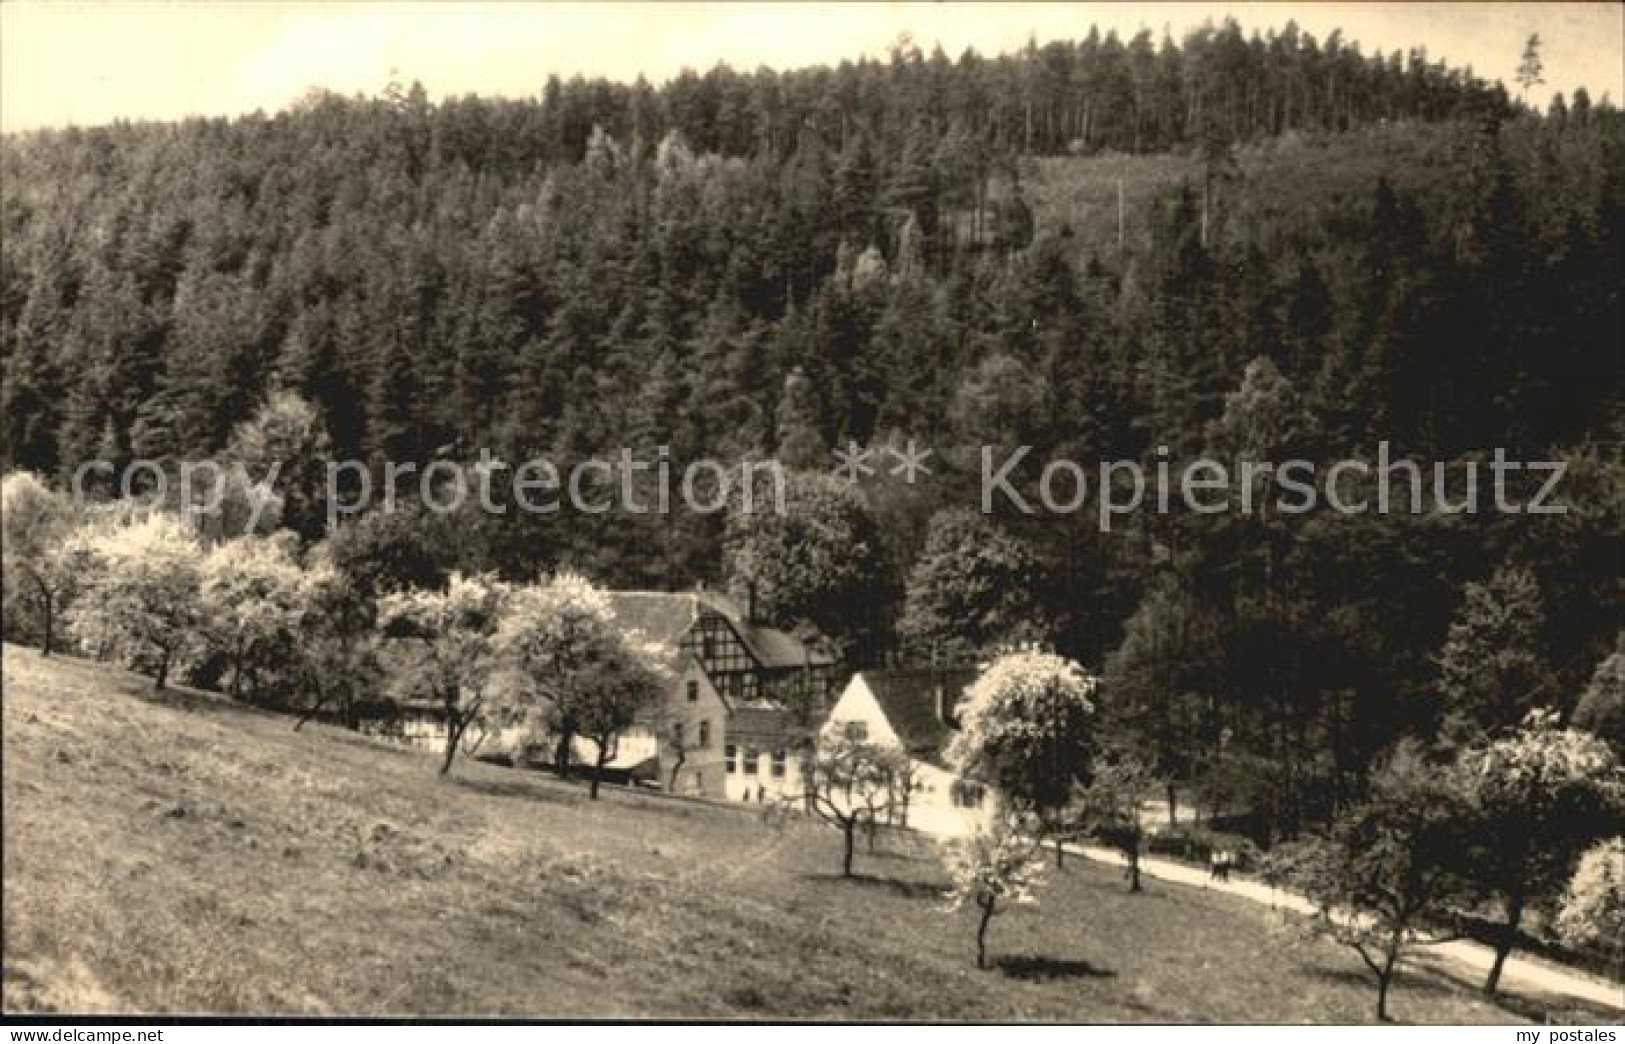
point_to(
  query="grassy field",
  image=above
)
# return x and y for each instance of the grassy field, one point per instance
(175, 853)
(1267, 196)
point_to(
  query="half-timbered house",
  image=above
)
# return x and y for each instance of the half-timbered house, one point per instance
(746, 699)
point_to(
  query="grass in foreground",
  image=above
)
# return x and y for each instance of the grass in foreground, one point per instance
(176, 854)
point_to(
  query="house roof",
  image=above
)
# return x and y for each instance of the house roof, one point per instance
(660, 616)
(666, 616)
(914, 701)
(584, 752)
(776, 649)
(764, 724)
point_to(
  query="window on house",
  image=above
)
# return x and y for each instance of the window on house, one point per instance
(705, 734)
(857, 731)
(677, 734)
(752, 757)
(730, 758)
(966, 795)
(779, 759)
(708, 646)
(693, 692)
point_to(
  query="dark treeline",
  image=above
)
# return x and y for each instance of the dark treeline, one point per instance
(1349, 249)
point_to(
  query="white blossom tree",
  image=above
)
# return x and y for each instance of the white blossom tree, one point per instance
(1026, 728)
(998, 866)
(140, 594)
(1593, 909)
(571, 666)
(255, 599)
(35, 522)
(449, 636)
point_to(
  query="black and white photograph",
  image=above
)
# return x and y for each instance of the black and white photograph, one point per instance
(1102, 514)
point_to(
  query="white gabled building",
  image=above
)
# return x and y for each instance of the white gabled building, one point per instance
(912, 710)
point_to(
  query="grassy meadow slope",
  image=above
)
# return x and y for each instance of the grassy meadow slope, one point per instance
(1269, 192)
(174, 853)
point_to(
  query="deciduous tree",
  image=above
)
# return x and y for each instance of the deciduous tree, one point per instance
(1593, 909)
(1602, 706)
(1382, 877)
(997, 867)
(1170, 649)
(1539, 797)
(255, 598)
(446, 639)
(140, 596)
(1110, 805)
(576, 670)
(36, 522)
(285, 445)
(974, 588)
(851, 784)
(1027, 728)
(818, 564)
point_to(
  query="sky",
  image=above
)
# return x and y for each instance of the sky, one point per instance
(89, 63)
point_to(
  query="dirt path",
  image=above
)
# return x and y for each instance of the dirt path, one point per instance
(1522, 972)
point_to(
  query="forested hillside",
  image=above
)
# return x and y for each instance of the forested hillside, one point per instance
(1271, 247)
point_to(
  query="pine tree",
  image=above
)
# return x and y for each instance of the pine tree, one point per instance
(1530, 66)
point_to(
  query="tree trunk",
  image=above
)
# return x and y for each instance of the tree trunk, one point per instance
(162, 677)
(561, 755)
(1207, 194)
(1134, 868)
(1506, 940)
(50, 618)
(851, 839)
(1385, 975)
(988, 905)
(1173, 806)
(1060, 854)
(457, 720)
(311, 711)
(454, 736)
(598, 771)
